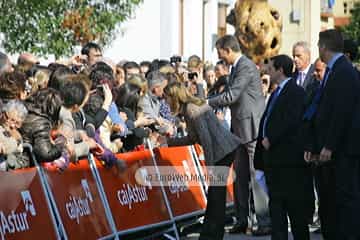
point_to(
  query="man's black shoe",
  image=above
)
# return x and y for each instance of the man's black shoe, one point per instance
(238, 228)
(261, 231)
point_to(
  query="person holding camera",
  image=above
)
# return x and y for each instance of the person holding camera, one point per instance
(197, 83)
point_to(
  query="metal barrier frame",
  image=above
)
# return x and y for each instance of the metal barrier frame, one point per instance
(148, 143)
(108, 210)
(58, 223)
(59, 227)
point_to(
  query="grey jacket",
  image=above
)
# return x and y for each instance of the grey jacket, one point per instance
(150, 105)
(68, 124)
(204, 128)
(245, 99)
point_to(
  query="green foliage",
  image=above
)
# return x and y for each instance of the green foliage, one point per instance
(353, 29)
(55, 26)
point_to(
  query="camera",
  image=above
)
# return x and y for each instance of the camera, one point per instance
(100, 89)
(192, 75)
(175, 59)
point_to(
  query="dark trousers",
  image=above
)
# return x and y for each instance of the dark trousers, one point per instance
(347, 190)
(291, 194)
(214, 223)
(280, 208)
(325, 180)
(244, 155)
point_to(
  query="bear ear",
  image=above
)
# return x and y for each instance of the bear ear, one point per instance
(231, 18)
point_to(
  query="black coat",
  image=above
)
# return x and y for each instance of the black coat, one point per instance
(287, 174)
(282, 130)
(336, 124)
(35, 130)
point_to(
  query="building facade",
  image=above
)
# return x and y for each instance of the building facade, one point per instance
(162, 28)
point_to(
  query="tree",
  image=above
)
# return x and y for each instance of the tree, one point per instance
(353, 29)
(57, 26)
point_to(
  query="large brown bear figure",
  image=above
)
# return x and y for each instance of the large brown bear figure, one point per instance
(258, 28)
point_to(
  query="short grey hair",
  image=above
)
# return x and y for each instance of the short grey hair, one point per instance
(15, 106)
(304, 45)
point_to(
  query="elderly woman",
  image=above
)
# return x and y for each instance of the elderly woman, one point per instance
(219, 146)
(11, 148)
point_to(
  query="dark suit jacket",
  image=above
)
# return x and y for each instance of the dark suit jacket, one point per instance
(245, 99)
(309, 78)
(287, 174)
(282, 130)
(336, 124)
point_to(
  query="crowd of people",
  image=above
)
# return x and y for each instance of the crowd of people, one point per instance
(288, 126)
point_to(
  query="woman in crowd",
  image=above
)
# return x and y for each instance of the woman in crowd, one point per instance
(13, 114)
(44, 108)
(265, 84)
(128, 96)
(12, 86)
(102, 75)
(219, 147)
(210, 77)
(119, 76)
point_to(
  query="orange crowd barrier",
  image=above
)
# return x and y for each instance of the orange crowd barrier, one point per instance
(90, 201)
(133, 205)
(24, 210)
(184, 190)
(230, 181)
(78, 201)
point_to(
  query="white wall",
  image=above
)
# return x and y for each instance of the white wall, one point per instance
(192, 27)
(169, 28)
(306, 29)
(140, 37)
(211, 24)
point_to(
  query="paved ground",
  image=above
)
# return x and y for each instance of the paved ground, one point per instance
(245, 237)
(195, 236)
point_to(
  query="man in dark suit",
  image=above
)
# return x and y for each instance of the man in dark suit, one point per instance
(303, 69)
(334, 129)
(244, 97)
(277, 152)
